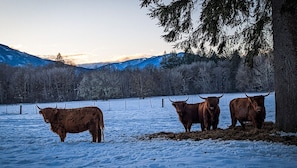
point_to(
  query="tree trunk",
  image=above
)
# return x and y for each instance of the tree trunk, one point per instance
(285, 57)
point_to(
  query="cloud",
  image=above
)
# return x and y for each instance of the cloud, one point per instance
(17, 46)
(130, 57)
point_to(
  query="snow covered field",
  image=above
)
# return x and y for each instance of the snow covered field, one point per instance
(27, 141)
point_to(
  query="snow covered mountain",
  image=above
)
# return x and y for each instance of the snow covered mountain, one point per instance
(139, 63)
(135, 63)
(14, 57)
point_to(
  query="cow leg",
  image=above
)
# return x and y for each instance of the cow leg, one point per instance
(255, 123)
(207, 124)
(233, 118)
(189, 127)
(215, 123)
(214, 126)
(259, 124)
(206, 127)
(242, 124)
(94, 131)
(202, 126)
(94, 134)
(186, 128)
(99, 135)
(234, 121)
(62, 134)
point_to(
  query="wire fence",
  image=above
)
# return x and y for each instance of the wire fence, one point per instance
(108, 105)
(117, 104)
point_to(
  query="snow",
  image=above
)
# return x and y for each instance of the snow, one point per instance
(27, 141)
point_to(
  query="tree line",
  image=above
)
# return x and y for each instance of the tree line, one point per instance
(190, 74)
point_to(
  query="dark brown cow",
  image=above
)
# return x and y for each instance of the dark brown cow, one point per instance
(248, 109)
(74, 121)
(187, 114)
(211, 111)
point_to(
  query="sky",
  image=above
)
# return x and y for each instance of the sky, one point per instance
(83, 31)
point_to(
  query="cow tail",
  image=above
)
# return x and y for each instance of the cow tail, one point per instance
(101, 125)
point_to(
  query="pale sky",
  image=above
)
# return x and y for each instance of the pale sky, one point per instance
(100, 30)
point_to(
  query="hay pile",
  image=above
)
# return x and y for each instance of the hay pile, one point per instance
(267, 133)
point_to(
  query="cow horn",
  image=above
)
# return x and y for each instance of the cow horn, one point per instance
(221, 96)
(171, 100)
(38, 107)
(187, 99)
(267, 94)
(201, 97)
(246, 95)
(174, 101)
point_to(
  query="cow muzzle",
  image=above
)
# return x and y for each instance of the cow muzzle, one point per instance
(259, 109)
(211, 108)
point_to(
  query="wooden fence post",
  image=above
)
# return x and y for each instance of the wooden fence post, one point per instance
(21, 108)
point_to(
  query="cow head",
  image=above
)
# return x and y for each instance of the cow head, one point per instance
(48, 114)
(212, 102)
(257, 102)
(179, 106)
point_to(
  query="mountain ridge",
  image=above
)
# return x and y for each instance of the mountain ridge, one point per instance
(18, 58)
(138, 63)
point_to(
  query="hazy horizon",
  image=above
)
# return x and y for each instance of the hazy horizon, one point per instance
(81, 31)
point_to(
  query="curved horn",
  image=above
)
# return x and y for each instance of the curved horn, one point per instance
(39, 107)
(267, 94)
(201, 97)
(246, 95)
(187, 99)
(171, 100)
(221, 96)
(174, 101)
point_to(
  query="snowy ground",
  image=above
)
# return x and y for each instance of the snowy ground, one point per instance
(27, 141)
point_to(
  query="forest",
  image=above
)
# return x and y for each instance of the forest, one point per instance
(190, 74)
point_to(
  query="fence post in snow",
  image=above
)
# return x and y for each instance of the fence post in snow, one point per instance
(162, 102)
(21, 108)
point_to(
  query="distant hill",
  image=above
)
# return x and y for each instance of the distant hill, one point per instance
(14, 57)
(17, 58)
(139, 63)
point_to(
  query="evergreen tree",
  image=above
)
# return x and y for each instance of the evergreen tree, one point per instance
(170, 61)
(235, 63)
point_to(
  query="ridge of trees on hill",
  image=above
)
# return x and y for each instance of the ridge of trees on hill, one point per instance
(190, 74)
